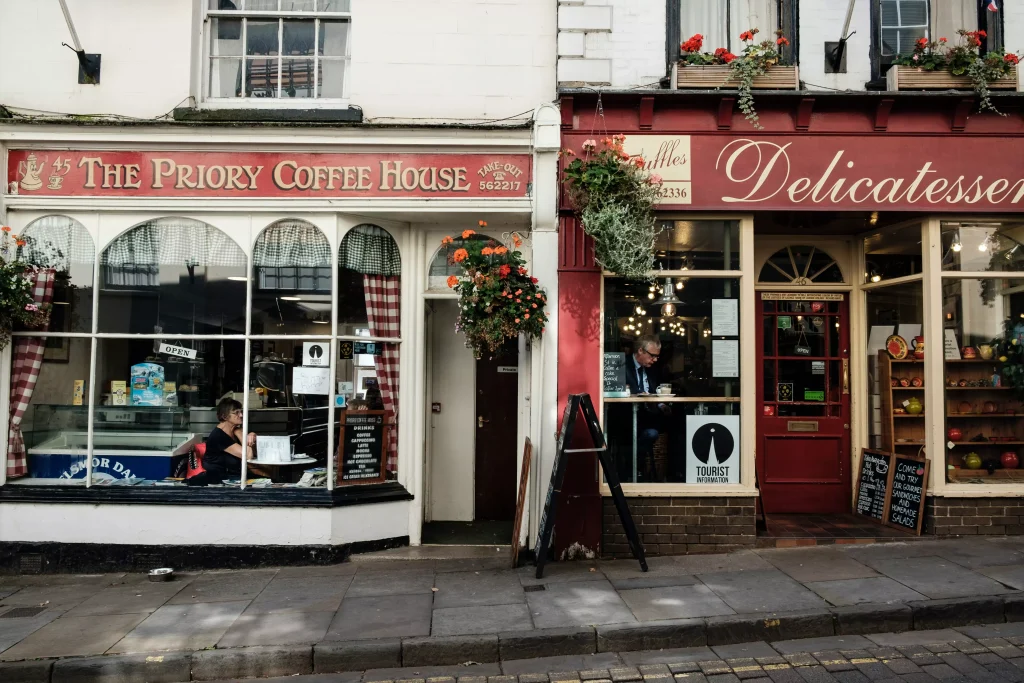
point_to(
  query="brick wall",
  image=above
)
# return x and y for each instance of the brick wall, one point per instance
(676, 526)
(974, 516)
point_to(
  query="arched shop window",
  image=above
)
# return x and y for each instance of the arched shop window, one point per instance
(64, 245)
(369, 308)
(441, 265)
(172, 276)
(291, 291)
(801, 265)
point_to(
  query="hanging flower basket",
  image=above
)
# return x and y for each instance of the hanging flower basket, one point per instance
(779, 77)
(498, 298)
(18, 310)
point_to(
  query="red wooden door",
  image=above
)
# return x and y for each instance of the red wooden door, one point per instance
(803, 416)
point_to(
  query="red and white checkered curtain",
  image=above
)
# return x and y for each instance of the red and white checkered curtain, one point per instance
(383, 298)
(28, 359)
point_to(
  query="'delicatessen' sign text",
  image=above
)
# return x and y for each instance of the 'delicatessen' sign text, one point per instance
(266, 174)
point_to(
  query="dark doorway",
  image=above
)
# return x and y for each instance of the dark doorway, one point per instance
(497, 403)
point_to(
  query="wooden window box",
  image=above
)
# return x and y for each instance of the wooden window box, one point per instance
(913, 78)
(721, 76)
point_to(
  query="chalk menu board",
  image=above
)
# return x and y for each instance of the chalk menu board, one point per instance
(891, 489)
(872, 485)
(615, 374)
(906, 497)
(361, 448)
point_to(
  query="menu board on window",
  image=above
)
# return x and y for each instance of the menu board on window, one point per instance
(615, 375)
(361, 447)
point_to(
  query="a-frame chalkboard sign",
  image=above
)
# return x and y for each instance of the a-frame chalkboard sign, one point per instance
(573, 406)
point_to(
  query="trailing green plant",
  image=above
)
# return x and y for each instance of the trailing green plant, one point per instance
(964, 58)
(1010, 354)
(614, 196)
(755, 60)
(498, 299)
(17, 307)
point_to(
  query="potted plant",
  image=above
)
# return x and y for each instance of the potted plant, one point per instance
(498, 299)
(936, 65)
(614, 196)
(18, 310)
(759, 67)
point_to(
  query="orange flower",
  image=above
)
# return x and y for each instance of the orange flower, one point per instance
(460, 255)
(782, 40)
(482, 224)
(447, 240)
(534, 305)
(527, 316)
(467, 233)
(515, 240)
(486, 251)
(501, 250)
(20, 243)
(6, 228)
(518, 292)
(452, 281)
(517, 320)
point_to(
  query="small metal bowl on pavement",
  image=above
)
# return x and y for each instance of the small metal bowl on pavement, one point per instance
(162, 574)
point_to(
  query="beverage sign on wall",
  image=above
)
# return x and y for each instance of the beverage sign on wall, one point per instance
(265, 174)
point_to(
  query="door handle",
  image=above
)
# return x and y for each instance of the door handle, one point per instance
(846, 375)
(480, 422)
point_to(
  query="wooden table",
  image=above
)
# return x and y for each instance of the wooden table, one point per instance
(637, 399)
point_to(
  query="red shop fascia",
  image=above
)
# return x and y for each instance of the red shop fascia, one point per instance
(902, 153)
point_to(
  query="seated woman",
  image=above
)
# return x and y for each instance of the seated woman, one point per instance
(223, 458)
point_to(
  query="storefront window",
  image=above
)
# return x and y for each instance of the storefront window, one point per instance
(801, 265)
(172, 276)
(676, 340)
(698, 245)
(983, 324)
(291, 289)
(978, 247)
(892, 253)
(892, 427)
(63, 244)
(367, 379)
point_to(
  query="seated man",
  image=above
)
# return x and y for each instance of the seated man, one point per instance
(652, 418)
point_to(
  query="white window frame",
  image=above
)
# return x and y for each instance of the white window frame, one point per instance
(882, 27)
(316, 102)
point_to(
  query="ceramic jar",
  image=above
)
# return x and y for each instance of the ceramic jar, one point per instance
(972, 461)
(1010, 460)
(914, 406)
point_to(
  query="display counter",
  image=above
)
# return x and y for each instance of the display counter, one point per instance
(116, 455)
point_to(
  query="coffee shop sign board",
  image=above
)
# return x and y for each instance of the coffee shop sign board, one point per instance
(824, 172)
(50, 172)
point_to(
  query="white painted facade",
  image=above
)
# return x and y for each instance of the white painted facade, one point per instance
(412, 61)
(414, 65)
(621, 43)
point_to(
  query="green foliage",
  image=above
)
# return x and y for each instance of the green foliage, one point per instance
(17, 307)
(498, 299)
(1010, 355)
(756, 60)
(963, 59)
(614, 197)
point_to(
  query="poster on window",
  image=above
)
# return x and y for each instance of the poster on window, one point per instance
(712, 449)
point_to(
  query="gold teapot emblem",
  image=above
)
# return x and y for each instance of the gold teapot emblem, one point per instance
(30, 170)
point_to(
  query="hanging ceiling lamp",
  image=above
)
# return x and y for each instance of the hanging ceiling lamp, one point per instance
(668, 300)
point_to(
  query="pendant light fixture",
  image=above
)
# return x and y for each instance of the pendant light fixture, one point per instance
(668, 300)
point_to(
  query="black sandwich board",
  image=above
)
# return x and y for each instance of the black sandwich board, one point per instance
(574, 405)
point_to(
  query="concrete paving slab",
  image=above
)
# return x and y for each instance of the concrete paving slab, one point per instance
(741, 561)
(464, 621)
(342, 569)
(287, 628)
(224, 587)
(935, 577)
(181, 628)
(382, 616)
(630, 568)
(822, 563)
(466, 589)
(993, 630)
(308, 594)
(1012, 576)
(563, 572)
(410, 582)
(61, 596)
(876, 590)
(977, 552)
(543, 665)
(16, 629)
(412, 672)
(583, 603)
(740, 650)
(674, 602)
(655, 582)
(75, 636)
(792, 647)
(871, 553)
(140, 599)
(27, 580)
(677, 655)
(946, 635)
(761, 591)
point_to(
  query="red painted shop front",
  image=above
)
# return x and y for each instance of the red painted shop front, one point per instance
(824, 167)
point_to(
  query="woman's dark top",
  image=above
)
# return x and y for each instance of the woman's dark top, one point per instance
(217, 459)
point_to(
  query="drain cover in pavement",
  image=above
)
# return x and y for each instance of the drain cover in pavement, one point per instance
(21, 612)
(532, 589)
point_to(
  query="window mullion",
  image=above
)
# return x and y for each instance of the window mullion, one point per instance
(316, 59)
(280, 53)
(245, 58)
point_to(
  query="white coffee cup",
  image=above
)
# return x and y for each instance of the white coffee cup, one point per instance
(664, 389)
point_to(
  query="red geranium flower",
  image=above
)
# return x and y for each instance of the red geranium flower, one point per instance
(746, 35)
(694, 44)
(1011, 59)
(504, 270)
(782, 40)
(534, 281)
(922, 43)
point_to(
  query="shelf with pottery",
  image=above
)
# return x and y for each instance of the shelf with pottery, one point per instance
(902, 409)
(984, 426)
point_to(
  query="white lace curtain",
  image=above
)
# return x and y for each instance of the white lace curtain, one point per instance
(56, 242)
(721, 24)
